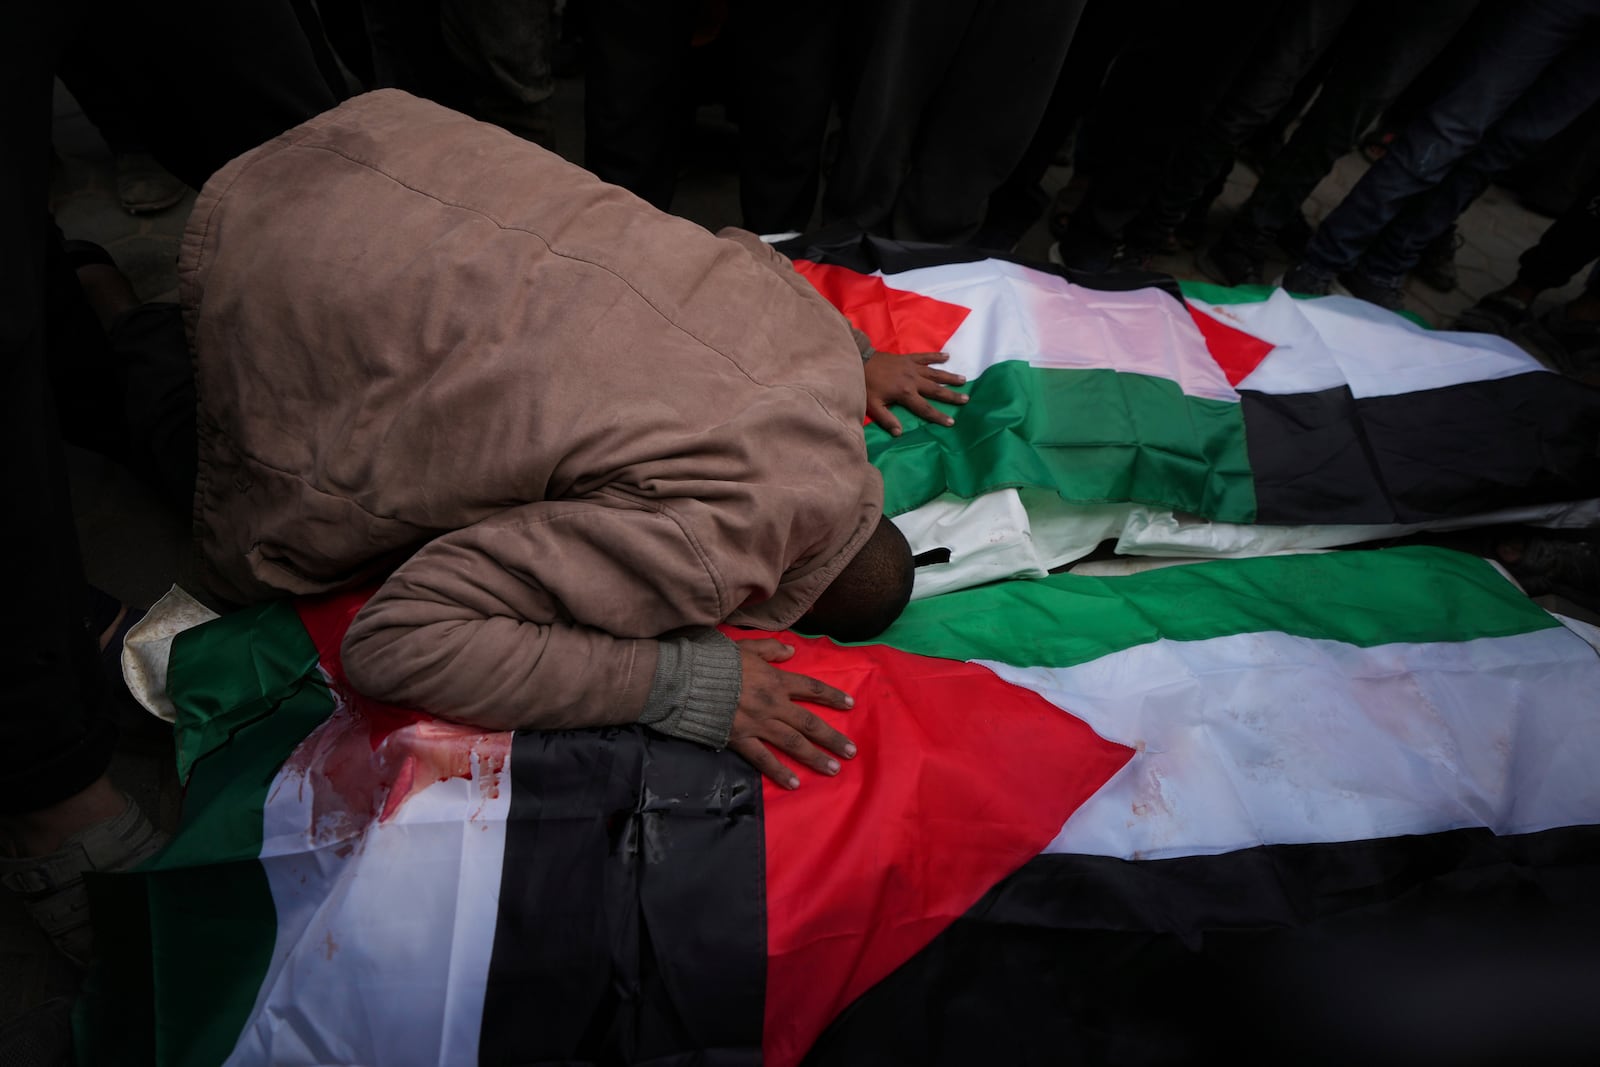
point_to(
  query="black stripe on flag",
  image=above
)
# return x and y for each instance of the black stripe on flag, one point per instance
(632, 913)
(1327, 457)
(1456, 947)
(844, 246)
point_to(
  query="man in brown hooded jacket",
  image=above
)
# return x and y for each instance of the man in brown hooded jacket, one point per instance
(579, 431)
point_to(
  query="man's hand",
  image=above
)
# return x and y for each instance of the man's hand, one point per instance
(907, 380)
(767, 715)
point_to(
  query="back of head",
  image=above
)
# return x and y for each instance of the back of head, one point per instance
(869, 594)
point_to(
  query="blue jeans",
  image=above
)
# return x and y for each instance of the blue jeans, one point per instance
(1301, 33)
(1535, 67)
(1380, 51)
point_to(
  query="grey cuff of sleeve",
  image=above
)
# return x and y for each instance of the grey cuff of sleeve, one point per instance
(863, 344)
(695, 689)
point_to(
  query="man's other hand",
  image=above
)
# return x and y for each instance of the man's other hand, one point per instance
(908, 380)
(768, 716)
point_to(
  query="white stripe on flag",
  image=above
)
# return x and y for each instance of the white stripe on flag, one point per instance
(384, 930)
(1027, 534)
(1003, 534)
(1265, 738)
(1331, 341)
(1018, 313)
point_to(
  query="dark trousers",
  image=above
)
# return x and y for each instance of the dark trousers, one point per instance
(786, 66)
(1100, 35)
(237, 74)
(1383, 49)
(636, 105)
(1571, 241)
(1171, 75)
(1534, 67)
(945, 104)
(1300, 34)
(639, 100)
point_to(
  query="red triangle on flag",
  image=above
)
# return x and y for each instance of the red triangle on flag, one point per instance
(895, 320)
(961, 779)
(1236, 352)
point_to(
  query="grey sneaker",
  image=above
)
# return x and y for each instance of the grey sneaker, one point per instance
(52, 886)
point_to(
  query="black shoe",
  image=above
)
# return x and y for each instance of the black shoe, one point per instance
(1084, 248)
(1294, 236)
(1498, 313)
(1307, 280)
(1364, 288)
(1191, 232)
(1570, 346)
(1096, 259)
(1437, 267)
(1151, 239)
(1227, 264)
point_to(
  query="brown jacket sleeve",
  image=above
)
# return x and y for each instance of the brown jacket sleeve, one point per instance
(545, 615)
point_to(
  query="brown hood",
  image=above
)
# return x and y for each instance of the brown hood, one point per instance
(407, 323)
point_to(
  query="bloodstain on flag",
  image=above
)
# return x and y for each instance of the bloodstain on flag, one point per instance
(893, 319)
(369, 758)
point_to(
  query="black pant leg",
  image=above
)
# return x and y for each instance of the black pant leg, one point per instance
(1178, 66)
(785, 56)
(54, 727)
(1571, 241)
(910, 46)
(1381, 52)
(156, 373)
(209, 81)
(1267, 82)
(982, 115)
(636, 107)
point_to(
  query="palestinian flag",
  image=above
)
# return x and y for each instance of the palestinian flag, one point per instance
(1200, 421)
(1083, 809)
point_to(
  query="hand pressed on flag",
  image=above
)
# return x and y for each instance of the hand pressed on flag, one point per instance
(768, 715)
(907, 379)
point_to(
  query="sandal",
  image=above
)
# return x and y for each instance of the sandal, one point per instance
(52, 887)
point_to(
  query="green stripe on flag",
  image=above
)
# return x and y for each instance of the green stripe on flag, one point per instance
(1209, 293)
(1091, 436)
(1363, 598)
(247, 692)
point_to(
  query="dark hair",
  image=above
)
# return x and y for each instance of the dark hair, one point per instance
(869, 594)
